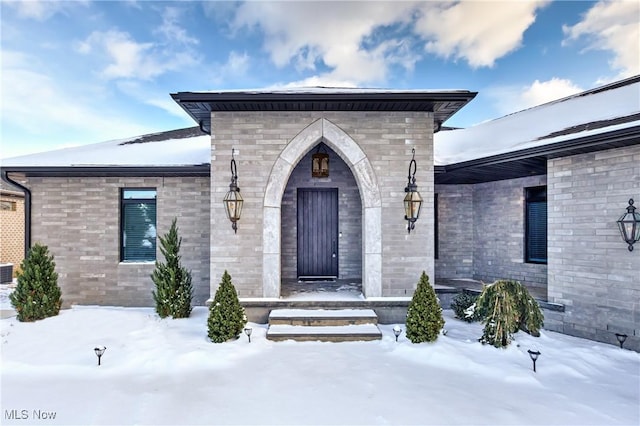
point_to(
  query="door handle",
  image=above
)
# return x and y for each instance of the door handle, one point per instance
(333, 248)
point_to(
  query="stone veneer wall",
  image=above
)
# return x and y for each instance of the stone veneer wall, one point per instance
(78, 218)
(499, 230)
(455, 231)
(349, 216)
(591, 271)
(494, 211)
(392, 259)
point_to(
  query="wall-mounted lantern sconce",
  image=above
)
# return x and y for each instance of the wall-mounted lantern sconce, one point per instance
(413, 200)
(629, 225)
(320, 163)
(233, 200)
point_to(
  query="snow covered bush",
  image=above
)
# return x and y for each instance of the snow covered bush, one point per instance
(37, 294)
(464, 307)
(226, 315)
(508, 307)
(424, 314)
(174, 291)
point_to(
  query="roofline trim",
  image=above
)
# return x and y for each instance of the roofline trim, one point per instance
(390, 96)
(558, 149)
(106, 171)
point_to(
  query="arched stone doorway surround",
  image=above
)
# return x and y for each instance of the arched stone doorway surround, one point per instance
(351, 153)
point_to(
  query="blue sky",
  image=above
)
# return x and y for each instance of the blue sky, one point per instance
(81, 72)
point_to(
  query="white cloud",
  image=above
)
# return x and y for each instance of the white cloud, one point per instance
(510, 99)
(546, 91)
(479, 32)
(130, 59)
(170, 29)
(311, 35)
(237, 64)
(41, 10)
(61, 108)
(612, 26)
(359, 42)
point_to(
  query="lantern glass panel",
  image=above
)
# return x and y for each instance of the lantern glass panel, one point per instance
(233, 202)
(320, 165)
(626, 225)
(412, 204)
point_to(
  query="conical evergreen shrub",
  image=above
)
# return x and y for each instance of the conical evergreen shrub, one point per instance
(37, 294)
(226, 315)
(424, 314)
(507, 307)
(174, 291)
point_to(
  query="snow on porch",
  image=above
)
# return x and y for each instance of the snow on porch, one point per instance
(322, 313)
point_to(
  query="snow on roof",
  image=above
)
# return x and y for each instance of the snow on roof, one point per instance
(324, 90)
(546, 124)
(183, 147)
(596, 111)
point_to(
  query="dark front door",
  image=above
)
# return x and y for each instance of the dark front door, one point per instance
(317, 233)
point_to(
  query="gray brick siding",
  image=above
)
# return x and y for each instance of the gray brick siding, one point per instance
(591, 271)
(78, 218)
(455, 231)
(481, 232)
(499, 234)
(385, 138)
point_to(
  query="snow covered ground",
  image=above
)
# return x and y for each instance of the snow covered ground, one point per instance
(166, 372)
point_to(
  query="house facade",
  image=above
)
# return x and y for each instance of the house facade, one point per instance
(524, 197)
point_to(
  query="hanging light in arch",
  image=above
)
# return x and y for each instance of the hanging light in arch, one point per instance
(233, 200)
(320, 163)
(629, 226)
(413, 200)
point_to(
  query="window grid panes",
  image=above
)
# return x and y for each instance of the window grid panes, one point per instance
(138, 225)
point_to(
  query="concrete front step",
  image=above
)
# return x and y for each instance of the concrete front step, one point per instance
(327, 325)
(333, 333)
(322, 317)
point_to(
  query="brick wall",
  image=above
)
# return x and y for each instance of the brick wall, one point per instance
(12, 231)
(498, 238)
(591, 271)
(79, 220)
(455, 230)
(385, 138)
(481, 232)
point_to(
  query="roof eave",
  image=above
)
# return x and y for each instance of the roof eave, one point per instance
(110, 171)
(443, 104)
(532, 161)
